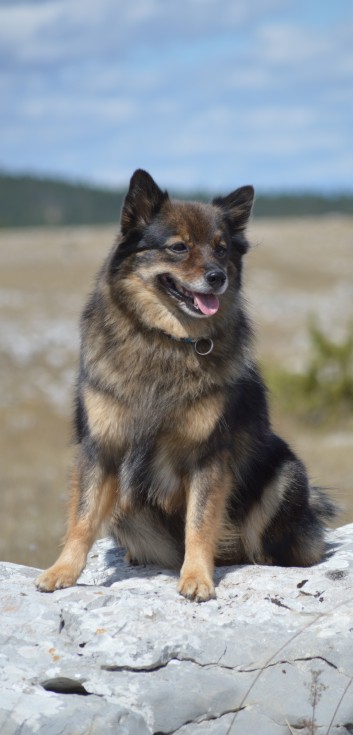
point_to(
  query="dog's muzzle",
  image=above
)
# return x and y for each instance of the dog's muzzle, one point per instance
(215, 278)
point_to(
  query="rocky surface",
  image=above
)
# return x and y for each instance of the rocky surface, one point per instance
(123, 653)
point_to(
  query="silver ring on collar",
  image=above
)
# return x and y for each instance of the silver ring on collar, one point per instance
(203, 346)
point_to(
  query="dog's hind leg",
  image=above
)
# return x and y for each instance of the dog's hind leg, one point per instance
(93, 498)
(206, 498)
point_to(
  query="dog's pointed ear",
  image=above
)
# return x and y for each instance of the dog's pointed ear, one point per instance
(142, 202)
(237, 207)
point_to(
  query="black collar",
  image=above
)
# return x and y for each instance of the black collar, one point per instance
(202, 345)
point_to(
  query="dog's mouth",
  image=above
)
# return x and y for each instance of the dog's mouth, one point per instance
(198, 303)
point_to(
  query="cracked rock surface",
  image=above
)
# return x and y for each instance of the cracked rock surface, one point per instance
(123, 653)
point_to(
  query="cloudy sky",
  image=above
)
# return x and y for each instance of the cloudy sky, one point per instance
(202, 93)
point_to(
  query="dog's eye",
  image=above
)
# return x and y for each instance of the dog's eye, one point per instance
(221, 250)
(178, 247)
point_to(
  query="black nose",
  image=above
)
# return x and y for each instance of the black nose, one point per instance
(215, 278)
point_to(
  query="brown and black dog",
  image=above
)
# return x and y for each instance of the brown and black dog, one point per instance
(175, 448)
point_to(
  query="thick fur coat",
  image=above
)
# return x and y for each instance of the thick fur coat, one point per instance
(176, 453)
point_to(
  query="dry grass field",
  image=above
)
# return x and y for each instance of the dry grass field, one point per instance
(297, 268)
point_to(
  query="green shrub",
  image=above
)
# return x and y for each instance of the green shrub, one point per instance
(324, 390)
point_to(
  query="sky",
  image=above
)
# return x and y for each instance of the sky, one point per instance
(204, 94)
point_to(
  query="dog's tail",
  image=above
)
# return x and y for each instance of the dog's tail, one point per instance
(325, 509)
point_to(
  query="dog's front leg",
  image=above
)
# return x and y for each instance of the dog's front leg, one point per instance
(93, 498)
(206, 496)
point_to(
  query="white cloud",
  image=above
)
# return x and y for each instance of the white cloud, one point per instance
(63, 30)
(281, 43)
(24, 27)
(184, 90)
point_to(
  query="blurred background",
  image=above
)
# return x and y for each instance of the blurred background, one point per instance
(207, 95)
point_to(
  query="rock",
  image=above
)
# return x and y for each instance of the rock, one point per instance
(123, 653)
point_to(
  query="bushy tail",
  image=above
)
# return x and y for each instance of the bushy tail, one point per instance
(324, 508)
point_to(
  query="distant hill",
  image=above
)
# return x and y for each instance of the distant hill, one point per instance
(28, 201)
(31, 201)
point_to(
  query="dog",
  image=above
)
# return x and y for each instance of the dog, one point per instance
(175, 450)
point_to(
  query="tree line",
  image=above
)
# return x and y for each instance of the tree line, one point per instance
(27, 201)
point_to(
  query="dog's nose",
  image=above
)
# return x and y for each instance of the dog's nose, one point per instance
(215, 278)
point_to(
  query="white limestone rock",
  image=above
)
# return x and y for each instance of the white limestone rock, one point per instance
(122, 652)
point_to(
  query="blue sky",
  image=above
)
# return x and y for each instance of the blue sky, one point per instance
(206, 94)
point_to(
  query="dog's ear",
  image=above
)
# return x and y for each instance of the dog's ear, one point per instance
(142, 202)
(237, 207)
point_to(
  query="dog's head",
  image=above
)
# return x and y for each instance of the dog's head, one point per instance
(183, 256)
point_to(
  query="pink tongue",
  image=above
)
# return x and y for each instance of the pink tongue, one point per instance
(208, 303)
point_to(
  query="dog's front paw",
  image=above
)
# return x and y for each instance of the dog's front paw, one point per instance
(198, 587)
(56, 577)
(131, 560)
